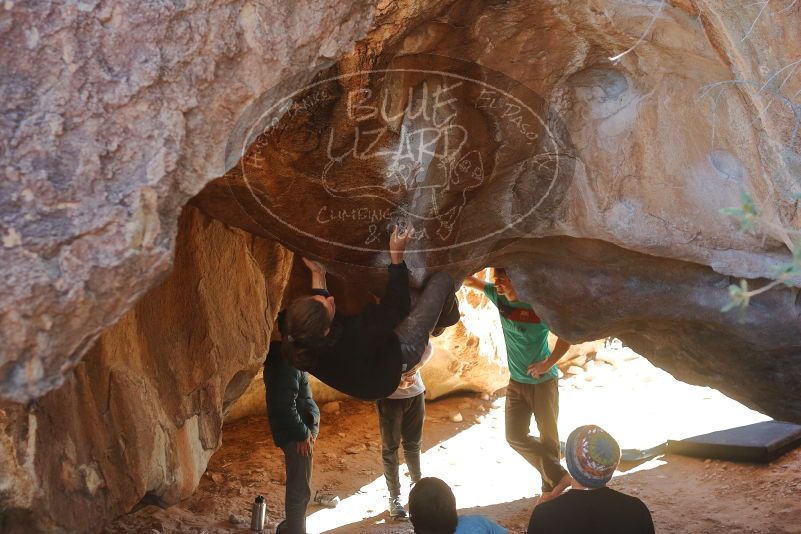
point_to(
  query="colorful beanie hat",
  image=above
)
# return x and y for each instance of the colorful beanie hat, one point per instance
(592, 456)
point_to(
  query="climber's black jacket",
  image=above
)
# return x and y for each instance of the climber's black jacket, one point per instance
(362, 355)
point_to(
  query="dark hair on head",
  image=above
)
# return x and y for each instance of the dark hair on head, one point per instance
(303, 325)
(432, 507)
(500, 270)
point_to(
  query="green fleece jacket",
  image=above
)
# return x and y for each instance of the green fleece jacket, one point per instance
(291, 410)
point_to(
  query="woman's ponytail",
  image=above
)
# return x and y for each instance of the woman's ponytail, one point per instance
(302, 327)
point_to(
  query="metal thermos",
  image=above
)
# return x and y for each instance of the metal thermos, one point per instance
(258, 515)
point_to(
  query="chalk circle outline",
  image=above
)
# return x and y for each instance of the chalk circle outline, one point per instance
(288, 98)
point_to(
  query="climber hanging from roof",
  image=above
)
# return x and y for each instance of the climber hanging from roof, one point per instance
(366, 355)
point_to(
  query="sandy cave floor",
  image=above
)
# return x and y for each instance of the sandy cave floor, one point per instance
(638, 403)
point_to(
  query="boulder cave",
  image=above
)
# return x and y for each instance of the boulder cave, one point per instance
(166, 163)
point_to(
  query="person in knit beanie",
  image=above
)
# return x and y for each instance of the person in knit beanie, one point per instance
(592, 455)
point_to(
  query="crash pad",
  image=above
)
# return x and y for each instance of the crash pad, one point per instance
(758, 443)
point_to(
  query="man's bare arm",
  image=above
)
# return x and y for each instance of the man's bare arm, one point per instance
(540, 368)
(407, 378)
(559, 349)
(474, 283)
(317, 273)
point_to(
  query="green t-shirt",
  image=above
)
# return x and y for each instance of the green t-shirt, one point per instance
(526, 337)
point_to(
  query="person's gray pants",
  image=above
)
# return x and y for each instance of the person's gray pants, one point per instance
(298, 490)
(541, 401)
(400, 421)
(414, 331)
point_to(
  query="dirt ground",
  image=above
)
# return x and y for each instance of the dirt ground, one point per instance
(639, 404)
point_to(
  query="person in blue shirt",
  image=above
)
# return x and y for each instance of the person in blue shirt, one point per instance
(432, 509)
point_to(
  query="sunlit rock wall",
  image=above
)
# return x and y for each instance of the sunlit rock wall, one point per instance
(113, 115)
(142, 414)
(601, 195)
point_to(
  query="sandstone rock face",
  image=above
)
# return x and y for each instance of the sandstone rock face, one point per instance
(470, 356)
(668, 311)
(503, 131)
(142, 414)
(519, 134)
(113, 114)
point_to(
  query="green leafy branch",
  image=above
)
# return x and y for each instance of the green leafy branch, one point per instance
(748, 215)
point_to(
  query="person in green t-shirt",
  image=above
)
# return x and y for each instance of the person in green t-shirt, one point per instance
(533, 384)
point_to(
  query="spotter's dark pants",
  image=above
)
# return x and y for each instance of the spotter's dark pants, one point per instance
(298, 490)
(401, 422)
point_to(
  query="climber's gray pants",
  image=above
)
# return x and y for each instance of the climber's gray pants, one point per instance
(414, 331)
